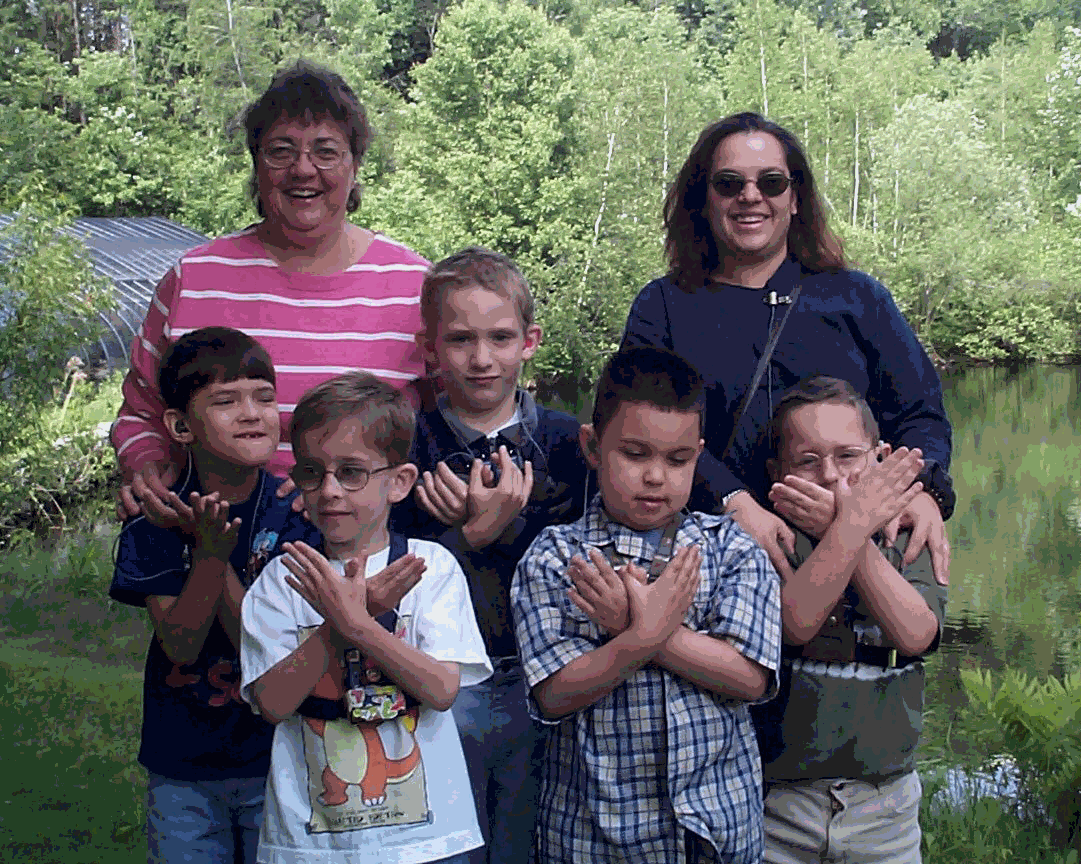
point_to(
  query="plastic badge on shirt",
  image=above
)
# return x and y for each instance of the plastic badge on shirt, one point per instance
(369, 696)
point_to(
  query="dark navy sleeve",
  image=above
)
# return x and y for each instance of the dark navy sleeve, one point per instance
(150, 561)
(648, 324)
(906, 393)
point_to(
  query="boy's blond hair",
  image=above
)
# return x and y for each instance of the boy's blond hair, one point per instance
(384, 413)
(475, 266)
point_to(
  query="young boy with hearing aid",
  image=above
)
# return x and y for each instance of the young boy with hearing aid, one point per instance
(206, 753)
(644, 631)
(496, 468)
(366, 764)
(839, 743)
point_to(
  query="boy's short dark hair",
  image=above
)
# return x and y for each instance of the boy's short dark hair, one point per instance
(471, 266)
(384, 412)
(651, 375)
(210, 355)
(816, 391)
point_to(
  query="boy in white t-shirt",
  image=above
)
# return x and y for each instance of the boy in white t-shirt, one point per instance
(366, 764)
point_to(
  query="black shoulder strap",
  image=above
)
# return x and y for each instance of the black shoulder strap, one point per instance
(767, 352)
(399, 546)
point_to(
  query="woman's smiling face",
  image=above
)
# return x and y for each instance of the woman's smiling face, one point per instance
(302, 198)
(750, 227)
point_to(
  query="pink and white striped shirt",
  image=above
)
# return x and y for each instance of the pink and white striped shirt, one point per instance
(314, 327)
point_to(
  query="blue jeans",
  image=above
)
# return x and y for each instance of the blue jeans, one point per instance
(211, 822)
(503, 748)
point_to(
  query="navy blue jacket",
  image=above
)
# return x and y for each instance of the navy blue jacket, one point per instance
(844, 325)
(547, 438)
(195, 725)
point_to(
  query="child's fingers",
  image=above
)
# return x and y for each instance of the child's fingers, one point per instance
(580, 601)
(310, 559)
(303, 592)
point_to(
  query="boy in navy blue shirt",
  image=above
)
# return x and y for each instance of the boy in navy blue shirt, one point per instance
(496, 468)
(207, 754)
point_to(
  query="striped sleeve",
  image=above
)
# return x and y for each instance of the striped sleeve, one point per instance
(138, 433)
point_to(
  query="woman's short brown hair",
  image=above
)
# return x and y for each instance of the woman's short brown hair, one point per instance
(689, 243)
(310, 92)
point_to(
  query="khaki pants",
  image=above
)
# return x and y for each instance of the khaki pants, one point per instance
(844, 821)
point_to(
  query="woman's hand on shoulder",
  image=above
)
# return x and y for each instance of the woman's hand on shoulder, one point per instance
(146, 491)
(767, 529)
(924, 519)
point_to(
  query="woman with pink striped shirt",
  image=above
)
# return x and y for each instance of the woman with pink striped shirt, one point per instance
(321, 294)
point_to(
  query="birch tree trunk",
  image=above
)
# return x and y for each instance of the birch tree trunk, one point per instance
(856, 170)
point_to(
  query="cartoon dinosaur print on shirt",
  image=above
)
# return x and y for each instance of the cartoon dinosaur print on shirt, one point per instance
(356, 756)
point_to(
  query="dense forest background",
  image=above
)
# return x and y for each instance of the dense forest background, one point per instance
(946, 136)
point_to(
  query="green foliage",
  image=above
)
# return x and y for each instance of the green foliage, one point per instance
(68, 467)
(945, 137)
(50, 301)
(1035, 723)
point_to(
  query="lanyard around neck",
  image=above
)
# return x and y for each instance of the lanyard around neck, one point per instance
(661, 557)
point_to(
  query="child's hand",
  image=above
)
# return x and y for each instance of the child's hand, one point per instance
(386, 588)
(287, 488)
(213, 533)
(493, 508)
(599, 591)
(341, 600)
(657, 610)
(442, 494)
(881, 491)
(806, 505)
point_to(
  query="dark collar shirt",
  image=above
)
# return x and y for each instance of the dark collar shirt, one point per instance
(628, 777)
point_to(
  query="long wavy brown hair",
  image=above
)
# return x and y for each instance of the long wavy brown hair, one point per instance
(691, 248)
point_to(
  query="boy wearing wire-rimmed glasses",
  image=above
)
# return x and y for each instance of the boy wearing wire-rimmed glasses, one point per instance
(645, 630)
(839, 743)
(366, 765)
(496, 468)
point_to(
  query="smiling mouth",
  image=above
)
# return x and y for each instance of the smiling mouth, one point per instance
(251, 435)
(303, 194)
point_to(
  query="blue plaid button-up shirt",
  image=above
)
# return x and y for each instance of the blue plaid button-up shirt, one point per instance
(657, 757)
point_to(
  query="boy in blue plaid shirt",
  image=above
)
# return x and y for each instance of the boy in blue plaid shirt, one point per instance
(644, 632)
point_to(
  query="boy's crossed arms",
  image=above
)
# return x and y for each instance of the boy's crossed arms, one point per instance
(349, 605)
(646, 624)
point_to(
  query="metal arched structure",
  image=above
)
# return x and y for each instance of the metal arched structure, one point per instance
(133, 253)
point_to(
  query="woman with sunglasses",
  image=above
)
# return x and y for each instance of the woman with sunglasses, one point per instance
(322, 294)
(746, 239)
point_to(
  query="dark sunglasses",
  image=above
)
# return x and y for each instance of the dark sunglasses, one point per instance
(729, 184)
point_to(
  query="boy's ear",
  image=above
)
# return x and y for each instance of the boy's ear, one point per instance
(177, 425)
(405, 477)
(587, 439)
(531, 340)
(426, 344)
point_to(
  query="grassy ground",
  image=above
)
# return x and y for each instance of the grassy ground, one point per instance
(71, 680)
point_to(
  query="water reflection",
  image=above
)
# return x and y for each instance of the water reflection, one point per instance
(1015, 587)
(1015, 594)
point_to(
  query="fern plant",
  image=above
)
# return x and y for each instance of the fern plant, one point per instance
(1036, 724)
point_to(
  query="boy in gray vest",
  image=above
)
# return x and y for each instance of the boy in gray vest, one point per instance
(839, 743)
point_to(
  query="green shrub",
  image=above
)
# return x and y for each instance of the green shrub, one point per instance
(1035, 723)
(68, 468)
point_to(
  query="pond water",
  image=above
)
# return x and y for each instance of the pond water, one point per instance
(1015, 584)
